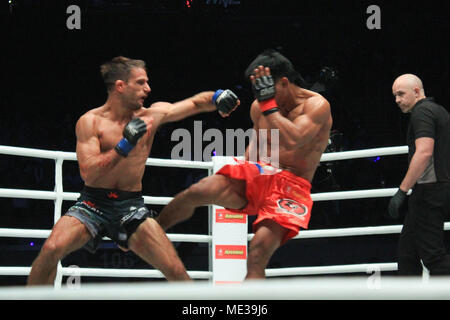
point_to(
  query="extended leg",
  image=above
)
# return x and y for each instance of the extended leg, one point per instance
(151, 243)
(68, 235)
(216, 189)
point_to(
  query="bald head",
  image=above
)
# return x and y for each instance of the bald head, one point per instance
(410, 81)
(407, 90)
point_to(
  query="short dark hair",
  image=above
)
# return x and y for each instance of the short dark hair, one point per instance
(118, 68)
(279, 65)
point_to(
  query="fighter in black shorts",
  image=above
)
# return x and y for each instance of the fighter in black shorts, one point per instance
(108, 212)
(113, 144)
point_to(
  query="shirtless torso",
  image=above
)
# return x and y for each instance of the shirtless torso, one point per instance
(98, 131)
(311, 112)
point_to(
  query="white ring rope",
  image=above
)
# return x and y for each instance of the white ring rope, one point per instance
(365, 153)
(43, 234)
(348, 268)
(305, 234)
(72, 196)
(104, 272)
(341, 288)
(332, 156)
(58, 196)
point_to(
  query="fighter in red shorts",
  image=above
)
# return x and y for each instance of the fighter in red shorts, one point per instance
(279, 194)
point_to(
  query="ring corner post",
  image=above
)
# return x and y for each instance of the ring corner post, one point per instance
(57, 213)
(228, 259)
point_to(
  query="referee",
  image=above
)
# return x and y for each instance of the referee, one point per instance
(428, 175)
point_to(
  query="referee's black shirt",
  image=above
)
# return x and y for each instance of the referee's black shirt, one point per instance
(429, 119)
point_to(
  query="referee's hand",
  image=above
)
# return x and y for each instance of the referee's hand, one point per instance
(395, 203)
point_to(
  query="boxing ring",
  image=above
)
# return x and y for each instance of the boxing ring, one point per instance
(333, 287)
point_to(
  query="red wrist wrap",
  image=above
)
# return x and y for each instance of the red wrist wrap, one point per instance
(267, 104)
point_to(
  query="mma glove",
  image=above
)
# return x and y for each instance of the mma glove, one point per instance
(132, 132)
(395, 203)
(225, 100)
(264, 91)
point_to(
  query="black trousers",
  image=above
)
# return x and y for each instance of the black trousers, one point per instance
(422, 236)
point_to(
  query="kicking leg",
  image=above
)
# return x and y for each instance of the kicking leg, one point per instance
(216, 189)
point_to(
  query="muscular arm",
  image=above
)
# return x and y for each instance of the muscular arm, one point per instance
(419, 162)
(300, 131)
(226, 102)
(92, 162)
(170, 112)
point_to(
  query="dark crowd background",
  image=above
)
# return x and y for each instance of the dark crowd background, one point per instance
(50, 77)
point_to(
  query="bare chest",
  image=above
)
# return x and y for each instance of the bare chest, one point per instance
(301, 160)
(110, 133)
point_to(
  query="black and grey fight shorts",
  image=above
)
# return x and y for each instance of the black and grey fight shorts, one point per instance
(112, 213)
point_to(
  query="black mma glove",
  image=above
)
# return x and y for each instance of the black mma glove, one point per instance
(132, 132)
(395, 203)
(264, 91)
(264, 88)
(225, 100)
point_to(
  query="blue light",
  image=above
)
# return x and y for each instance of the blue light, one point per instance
(376, 159)
(31, 244)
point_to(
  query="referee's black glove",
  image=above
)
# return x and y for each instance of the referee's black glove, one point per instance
(395, 203)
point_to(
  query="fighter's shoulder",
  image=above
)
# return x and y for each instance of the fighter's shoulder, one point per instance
(89, 120)
(317, 101)
(158, 107)
(315, 107)
(89, 116)
(158, 111)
